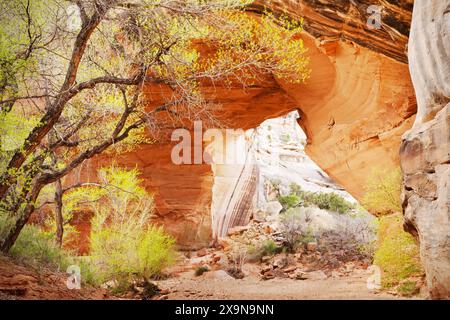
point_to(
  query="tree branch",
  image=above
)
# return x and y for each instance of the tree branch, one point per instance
(54, 112)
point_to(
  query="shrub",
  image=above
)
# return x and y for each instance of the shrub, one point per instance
(267, 247)
(333, 202)
(307, 237)
(36, 249)
(238, 259)
(397, 254)
(383, 191)
(124, 247)
(270, 248)
(155, 251)
(291, 228)
(327, 201)
(289, 201)
(408, 288)
(201, 270)
(124, 257)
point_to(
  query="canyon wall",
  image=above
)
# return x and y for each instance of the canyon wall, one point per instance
(425, 149)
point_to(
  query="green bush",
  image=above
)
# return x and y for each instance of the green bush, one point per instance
(125, 248)
(408, 288)
(270, 248)
(289, 201)
(333, 202)
(398, 253)
(383, 191)
(265, 248)
(124, 257)
(327, 201)
(155, 251)
(201, 270)
(36, 249)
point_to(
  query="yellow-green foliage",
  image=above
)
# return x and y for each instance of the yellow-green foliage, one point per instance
(129, 251)
(267, 43)
(241, 44)
(36, 249)
(383, 191)
(398, 253)
(124, 246)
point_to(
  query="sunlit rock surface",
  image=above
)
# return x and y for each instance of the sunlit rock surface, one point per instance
(354, 108)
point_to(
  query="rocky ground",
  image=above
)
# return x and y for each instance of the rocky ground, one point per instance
(316, 270)
(279, 277)
(310, 273)
(21, 283)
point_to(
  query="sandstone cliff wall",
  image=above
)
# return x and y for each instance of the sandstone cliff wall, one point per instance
(425, 149)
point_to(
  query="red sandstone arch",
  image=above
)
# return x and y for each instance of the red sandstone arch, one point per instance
(355, 107)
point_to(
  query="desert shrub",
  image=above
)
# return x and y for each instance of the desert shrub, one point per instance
(155, 251)
(36, 249)
(291, 228)
(327, 201)
(267, 247)
(383, 191)
(238, 258)
(398, 253)
(124, 257)
(408, 288)
(124, 247)
(333, 202)
(129, 252)
(295, 189)
(289, 201)
(201, 270)
(355, 235)
(307, 236)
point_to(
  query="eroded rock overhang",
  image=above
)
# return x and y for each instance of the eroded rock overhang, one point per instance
(354, 108)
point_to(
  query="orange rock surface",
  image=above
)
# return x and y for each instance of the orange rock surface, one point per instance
(355, 107)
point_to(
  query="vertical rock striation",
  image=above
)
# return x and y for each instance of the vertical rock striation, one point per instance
(425, 149)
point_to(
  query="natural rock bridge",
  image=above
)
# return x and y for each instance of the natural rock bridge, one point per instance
(354, 108)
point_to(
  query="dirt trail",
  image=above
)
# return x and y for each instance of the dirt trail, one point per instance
(217, 285)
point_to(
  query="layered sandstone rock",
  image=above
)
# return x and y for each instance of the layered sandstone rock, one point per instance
(346, 20)
(425, 149)
(354, 108)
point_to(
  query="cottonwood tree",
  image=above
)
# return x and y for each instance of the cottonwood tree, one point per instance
(78, 78)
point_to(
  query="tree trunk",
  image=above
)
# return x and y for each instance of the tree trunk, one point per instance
(7, 243)
(58, 213)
